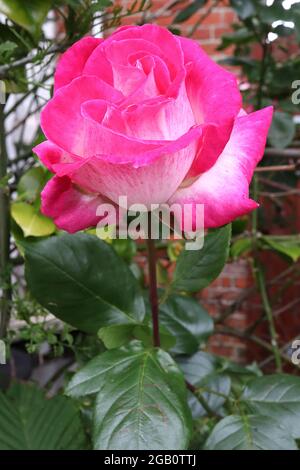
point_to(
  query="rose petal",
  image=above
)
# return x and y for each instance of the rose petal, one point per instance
(163, 118)
(160, 70)
(215, 99)
(72, 62)
(150, 184)
(98, 65)
(64, 123)
(51, 155)
(213, 91)
(71, 209)
(224, 189)
(167, 43)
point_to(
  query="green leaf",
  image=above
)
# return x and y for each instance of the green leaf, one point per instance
(280, 81)
(9, 35)
(282, 131)
(98, 5)
(189, 11)
(141, 400)
(126, 249)
(174, 249)
(28, 421)
(31, 221)
(187, 321)
(114, 336)
(196, 269)
(283, 30)
(82, 281)
(239, 226)
(238, 61)
(7, 48)
(30, 14)
(240, 247)
(214, 389)
(17, 83)
(277, 396)
(288, 246)
(32, 183)
(204, 372)
(239, 37)
(244, 8)
(250, 433)
(162, 276)
(237, 371)
(145, 334)
(4, 181)
(269, 14)
(138, 272)
(202, 365)
(198, 366)
(296, 18)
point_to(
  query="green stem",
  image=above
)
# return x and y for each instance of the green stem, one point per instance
(259, 275)
(255, 339)
(201, 400)
(153, 295)
(268, 311)
(261, 282)
(5, 284)
(254, 215)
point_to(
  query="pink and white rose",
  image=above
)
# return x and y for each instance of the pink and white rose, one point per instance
(148, 115)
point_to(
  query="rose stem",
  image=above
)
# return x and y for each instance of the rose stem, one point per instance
(153, 296)
(4, 234)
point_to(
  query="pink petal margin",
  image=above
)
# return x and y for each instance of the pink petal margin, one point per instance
(71, 209)
(224, 189)
(72, 62)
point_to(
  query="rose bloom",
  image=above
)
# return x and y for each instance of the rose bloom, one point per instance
(147, 115)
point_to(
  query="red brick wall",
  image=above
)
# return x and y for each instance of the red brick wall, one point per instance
(220, 296)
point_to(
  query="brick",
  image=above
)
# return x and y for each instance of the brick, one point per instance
(229, 17)
(164, 21)
(156, 4)
(212, 309)
(216, 283)
(205, 294)
(129, 20)
(237, 323)
(219, 31)
(194, 18)
(210, 49)
(226, 282)
(177, 7)
(215, 17)
(242, 283)
(223, 351)
(203, 33)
